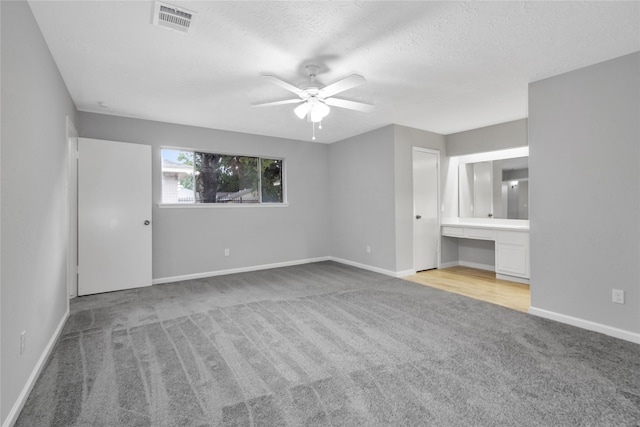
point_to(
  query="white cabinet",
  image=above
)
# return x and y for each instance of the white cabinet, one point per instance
(511, 246)
(512, 253)
(453, 231)
(480, 234)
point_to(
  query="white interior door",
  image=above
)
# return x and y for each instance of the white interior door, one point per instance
(426, 230)
(114, 216)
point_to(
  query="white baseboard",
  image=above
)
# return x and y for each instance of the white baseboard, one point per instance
(404, 273)
(237, 270)
(512, 278)
(485, 267)
(449, 264)
(161, 280)
(374, 269)
(586, 324)
(12, 417)
(478, 266)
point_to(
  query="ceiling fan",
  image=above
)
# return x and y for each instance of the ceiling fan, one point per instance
(315, 99)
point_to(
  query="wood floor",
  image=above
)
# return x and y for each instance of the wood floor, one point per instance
(478, 284)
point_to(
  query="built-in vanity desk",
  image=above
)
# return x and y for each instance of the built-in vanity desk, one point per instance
(493, 213)
(511, 239)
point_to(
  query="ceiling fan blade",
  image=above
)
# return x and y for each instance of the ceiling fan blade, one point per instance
(283, 102)
(351, 105)
(341, 85)
(285, 85)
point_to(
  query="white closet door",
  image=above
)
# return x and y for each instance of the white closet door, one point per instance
(114, 216)
(425, 205)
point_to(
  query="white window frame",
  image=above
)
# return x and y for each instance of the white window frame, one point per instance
(260, 203)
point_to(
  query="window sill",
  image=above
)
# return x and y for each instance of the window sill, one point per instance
(221, 205)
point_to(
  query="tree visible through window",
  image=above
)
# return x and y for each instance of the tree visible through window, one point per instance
(201, 177)
(271, 173)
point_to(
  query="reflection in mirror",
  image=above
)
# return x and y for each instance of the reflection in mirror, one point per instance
(494, 189)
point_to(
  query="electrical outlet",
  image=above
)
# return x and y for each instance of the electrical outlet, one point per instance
(226, 252)
(23, 342)
(617, 296)
(368, 249)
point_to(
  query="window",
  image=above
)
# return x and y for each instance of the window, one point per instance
(195, 177)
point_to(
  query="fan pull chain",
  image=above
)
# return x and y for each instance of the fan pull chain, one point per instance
(313, 127)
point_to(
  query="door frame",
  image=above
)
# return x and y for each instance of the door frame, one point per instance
(415, 149)
(72, 207)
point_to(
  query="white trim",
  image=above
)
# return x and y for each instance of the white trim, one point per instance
(485, 267)
(12, 417)
(222, 153)
(278, 265)
(221, 205)
(478, 266)
(72, 195)
(493, 155)
(512, 278)
(404, 273)
(449, 264)
(372, 268)
(236, 270)
(587, 324)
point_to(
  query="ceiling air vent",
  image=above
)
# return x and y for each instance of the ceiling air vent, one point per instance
(175, 18)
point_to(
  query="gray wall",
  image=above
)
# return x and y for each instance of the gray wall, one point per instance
(192, 240)
(405, 139)
(480, 252)
(361, 201)
(35, 103)
(490, 138)
(371, 201)
(585, 192)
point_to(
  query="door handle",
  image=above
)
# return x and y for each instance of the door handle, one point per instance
(418, 216)
(147, 222)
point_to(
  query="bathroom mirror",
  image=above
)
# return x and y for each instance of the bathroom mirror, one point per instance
(494, 189)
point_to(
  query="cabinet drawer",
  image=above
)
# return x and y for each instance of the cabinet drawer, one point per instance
(513, 237)
(480, 233)
(453, 231)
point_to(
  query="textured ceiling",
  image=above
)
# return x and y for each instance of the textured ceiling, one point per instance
(439, 66)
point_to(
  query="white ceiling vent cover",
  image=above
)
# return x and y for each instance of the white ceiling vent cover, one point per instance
(175, 18)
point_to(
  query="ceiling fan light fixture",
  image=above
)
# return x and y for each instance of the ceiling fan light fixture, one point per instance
(315, 116)
(323, 109)
(301, 110)
(318, 111)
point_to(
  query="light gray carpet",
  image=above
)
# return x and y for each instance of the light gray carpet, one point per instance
(326, 344)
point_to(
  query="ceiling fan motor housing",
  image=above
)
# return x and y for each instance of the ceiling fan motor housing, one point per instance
(312, 87)
(312, 70)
